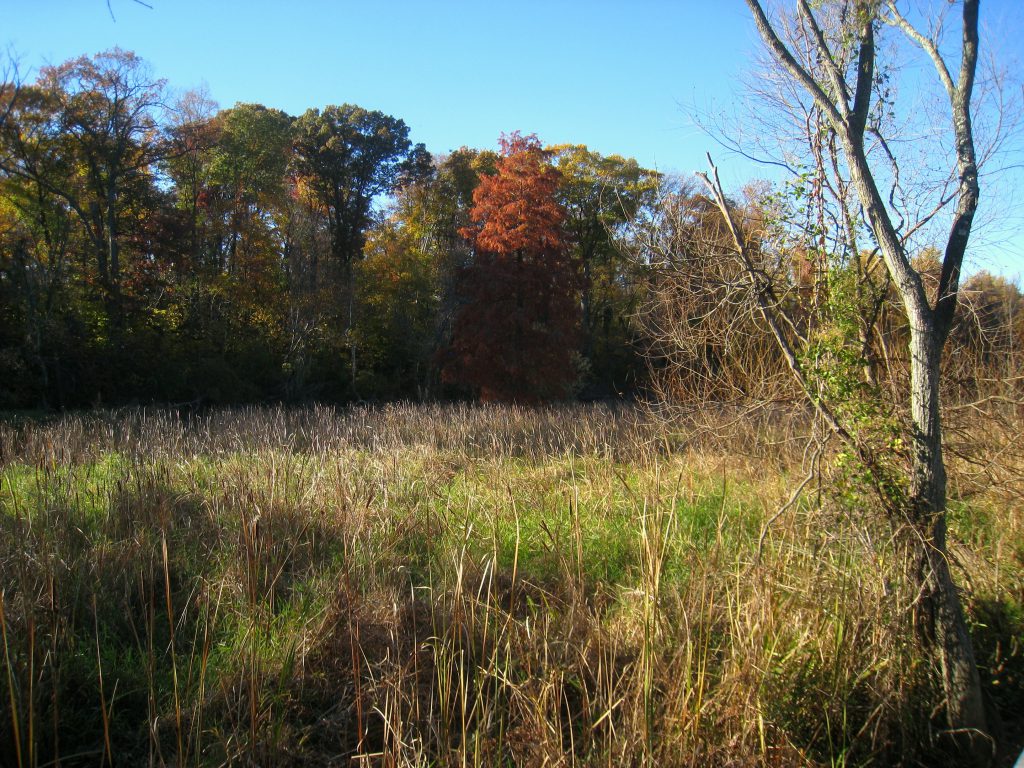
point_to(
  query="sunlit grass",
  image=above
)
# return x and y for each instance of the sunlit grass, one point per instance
(413, 586)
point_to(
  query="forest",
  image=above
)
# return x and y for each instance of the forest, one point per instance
(319, 446)
(174, 253)
(157, 250)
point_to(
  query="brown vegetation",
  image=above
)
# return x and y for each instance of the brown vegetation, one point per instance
(412, 586)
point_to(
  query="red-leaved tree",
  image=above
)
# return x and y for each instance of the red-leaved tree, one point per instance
(515, 335)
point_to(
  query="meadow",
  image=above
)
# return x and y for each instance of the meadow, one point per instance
(474, 585)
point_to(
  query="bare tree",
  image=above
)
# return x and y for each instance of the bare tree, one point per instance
(831, 62)
(706, 340)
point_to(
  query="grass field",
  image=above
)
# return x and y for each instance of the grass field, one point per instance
(466, 586)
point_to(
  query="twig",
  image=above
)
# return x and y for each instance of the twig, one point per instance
(811, 474)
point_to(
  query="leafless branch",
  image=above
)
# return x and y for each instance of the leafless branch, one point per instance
(110, 8)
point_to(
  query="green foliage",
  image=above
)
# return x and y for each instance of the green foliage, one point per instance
(186, 257)
(399, 306)
(834, 363)
(346, 156)
(252, 152)
(602, 196)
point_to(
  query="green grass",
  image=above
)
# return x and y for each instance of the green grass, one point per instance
(432, 587)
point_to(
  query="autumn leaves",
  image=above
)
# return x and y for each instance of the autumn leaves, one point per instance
(516, 332)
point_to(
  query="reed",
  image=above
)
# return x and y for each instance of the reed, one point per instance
(459, 585)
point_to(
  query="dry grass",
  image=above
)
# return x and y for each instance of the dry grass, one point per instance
(460, 586)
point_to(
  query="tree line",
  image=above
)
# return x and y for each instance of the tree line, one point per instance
(159, 249)
(156, 249)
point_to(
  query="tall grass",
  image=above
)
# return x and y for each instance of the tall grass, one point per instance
(458, 586)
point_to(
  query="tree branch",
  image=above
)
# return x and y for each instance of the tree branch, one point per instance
(865, 78)
(835, 76)
(785, 57)
(967, 166)
(761, 294)
(896, 19)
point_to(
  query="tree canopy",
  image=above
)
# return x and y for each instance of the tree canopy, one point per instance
(514, 337)
(157, 248)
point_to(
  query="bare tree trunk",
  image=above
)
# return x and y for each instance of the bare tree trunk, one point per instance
(941, 608)
(940, 616)
(114, 258)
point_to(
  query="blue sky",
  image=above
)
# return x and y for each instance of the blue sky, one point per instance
(621, 77)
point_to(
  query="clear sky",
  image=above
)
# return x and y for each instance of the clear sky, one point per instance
(621, 77)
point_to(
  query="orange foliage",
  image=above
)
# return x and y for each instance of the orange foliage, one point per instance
(515, 336)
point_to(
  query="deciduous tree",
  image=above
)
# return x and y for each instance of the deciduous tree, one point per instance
(108, 114)
(829, 53)
(515, 336)
(601, 197)
(345, 157)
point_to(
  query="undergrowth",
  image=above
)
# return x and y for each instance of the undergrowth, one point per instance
(460, 586)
